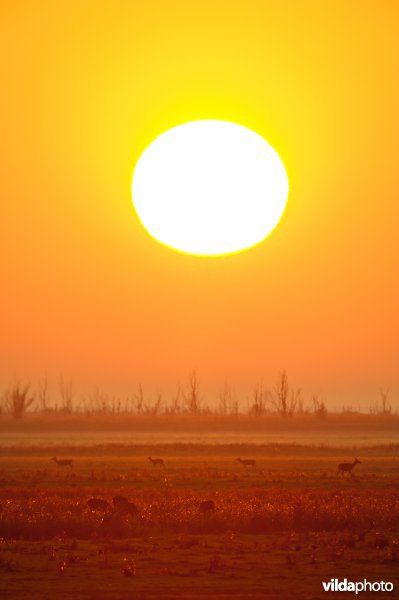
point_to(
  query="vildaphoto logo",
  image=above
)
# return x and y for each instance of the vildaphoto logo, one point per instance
(343, 585)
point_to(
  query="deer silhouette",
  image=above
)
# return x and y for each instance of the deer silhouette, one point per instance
(347, 467)
(124, 507)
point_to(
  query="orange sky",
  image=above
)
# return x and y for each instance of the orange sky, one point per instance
(86, 293)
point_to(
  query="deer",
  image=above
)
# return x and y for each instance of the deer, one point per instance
(207, 507)
(123, 506)
(156, 462)
(99, 505)
(64, 462)
(347, 467)
(119, 501)
(249, 462)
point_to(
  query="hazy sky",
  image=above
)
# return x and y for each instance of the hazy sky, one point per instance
(86, 293)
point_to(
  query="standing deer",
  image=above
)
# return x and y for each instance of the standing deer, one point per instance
(63, 463)
(156, 462)
(347, 467)
(119, 501)
(249, 462)
(207, 507)
(124, 507)
(99, 505)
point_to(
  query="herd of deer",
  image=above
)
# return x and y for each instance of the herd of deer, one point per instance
(122, 506)
(159, 462)
(342, 467)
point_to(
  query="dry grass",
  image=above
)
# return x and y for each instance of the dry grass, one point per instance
(44, 515)
(190, 566)
(288, 524)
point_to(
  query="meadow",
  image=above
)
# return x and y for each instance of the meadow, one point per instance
(289, 522)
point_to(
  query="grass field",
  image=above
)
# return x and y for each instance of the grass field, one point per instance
(286, 524)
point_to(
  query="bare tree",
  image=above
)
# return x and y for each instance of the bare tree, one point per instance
(192, 396)
(285, 400)
(259, 395)
(385, 407)
(234, 407)
(17, 399)
(66, 394)
(154, 409)
(99, 402)
(175, 407)
(281, 390)
(225, 399)
(319, 408)
(129, 405)
(42, 395)
(116, 405)
(139, 397)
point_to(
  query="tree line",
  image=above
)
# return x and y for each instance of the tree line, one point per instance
(281, 399)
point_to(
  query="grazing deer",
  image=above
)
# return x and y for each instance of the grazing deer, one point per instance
(249, 462)
(63, 463)
(123, 506)
(207, 507)
(156, 462)
(98, 505)
(119, 501)
(347, 467)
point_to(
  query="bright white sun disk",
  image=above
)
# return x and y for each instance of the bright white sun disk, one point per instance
(209, 188)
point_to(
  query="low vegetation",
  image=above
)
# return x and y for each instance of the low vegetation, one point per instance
(202, 526)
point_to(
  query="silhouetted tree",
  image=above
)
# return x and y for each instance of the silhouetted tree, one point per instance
(66, 394)
(192, 396)
(18, 399)
(319, 408)
(258, 406)
(284, 399)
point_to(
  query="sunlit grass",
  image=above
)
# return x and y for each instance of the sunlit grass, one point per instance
(290, 521)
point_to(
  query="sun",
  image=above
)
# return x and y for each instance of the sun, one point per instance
(209, 188)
